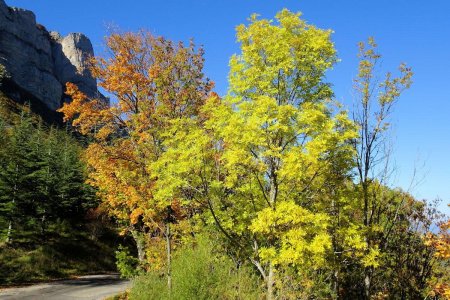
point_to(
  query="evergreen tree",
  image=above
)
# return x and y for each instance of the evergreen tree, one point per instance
(42, 178)
(19, 174)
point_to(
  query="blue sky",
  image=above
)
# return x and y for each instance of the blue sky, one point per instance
(406, 31)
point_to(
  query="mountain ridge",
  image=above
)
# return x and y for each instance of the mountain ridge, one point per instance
(40, 62)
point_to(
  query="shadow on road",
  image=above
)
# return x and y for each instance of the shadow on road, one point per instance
(85, 287)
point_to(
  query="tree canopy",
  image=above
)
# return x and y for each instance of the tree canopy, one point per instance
(275, 171)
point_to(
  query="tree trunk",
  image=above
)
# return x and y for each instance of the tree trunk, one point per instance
(239, 269)
(272, 199)
(367, 283)
(43, 220)
(8, 235)
(169, 258)
(336, 284)
(270, 282)
(140, 245)
(367, 279)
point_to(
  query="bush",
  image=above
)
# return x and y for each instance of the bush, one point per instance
(199, 273)
(126, 263)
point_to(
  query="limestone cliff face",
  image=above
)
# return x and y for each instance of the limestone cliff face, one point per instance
(38, 62)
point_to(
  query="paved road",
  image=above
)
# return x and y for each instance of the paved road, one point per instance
(86, 287)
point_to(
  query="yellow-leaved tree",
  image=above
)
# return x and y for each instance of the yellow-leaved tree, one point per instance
(264, 156)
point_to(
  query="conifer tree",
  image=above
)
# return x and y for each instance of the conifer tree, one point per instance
(42, 177)
(19, 175)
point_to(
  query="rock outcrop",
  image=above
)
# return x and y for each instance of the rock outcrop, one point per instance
(38, 62)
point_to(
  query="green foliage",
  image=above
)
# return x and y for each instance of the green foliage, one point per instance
(42, 177)
(126, 263)
(199, 272)
(44, 203)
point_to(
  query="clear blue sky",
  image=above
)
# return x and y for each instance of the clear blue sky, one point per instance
(413, 31)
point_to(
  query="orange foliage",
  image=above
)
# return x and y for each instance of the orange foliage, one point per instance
(151, 81)
(441, 244)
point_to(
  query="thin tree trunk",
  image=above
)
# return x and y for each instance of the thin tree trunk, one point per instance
(169, 258)
(43, 219)
(336, 284)
(268, 277)
(367, 276)
(10, 225)
(270, 282)
(239, 270)
(336, 257)
(8, 235)
(367, 283)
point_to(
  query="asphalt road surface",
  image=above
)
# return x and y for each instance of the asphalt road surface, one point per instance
(85, 287)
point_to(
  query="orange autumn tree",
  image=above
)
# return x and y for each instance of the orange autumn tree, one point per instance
(440, 282)
(152, 81)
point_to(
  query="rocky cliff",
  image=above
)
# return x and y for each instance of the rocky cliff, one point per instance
(39, 63)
